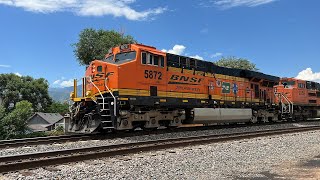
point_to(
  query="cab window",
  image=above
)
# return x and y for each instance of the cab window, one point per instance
(144, 58)
(152, 59)
(156, 60)
(301, 85)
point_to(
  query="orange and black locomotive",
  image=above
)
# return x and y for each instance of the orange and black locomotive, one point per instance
(139, 86)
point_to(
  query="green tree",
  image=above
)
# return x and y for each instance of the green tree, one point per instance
(2, 111)
(234, 62)
(14, 89)
(15, 123)
(58, 107)
(94, 44)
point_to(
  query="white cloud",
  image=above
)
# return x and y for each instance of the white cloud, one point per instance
(57, 81)
(18, 74)
(217, 54)
(197, 57)
(117, 8)
(3, 65)
(63, 83)
(177, 49)
(5, 2)
(308, 75)
(236, 3)
(67, 83)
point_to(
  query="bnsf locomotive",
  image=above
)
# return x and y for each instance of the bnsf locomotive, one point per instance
(139, 86)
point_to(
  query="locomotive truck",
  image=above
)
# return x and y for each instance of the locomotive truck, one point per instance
(136, 85)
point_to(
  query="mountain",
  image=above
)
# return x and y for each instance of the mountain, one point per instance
(63, 94)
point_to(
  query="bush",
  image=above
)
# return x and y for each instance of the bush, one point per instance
(56, 132)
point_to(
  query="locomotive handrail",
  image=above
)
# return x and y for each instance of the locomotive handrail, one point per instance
(291, 104)
(114, 98)
(98, 91)
(281, 95)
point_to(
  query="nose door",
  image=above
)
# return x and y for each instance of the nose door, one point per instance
(97, 77)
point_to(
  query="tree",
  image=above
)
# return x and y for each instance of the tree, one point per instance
(14, 89)
(58, 107)
(94, 44)
(234, 62)
(15, 123)
(2, 111)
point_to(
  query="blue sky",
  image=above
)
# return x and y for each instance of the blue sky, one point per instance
(281, 36)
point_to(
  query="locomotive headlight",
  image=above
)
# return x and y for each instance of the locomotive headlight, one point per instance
(93, 68)
(88, 93)
(124, 47)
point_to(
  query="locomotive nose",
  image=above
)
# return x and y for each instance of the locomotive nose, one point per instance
(96, 70)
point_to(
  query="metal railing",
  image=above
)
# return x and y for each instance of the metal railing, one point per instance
(90, 79)
(102, 97)
(281, 96)
(114, 98)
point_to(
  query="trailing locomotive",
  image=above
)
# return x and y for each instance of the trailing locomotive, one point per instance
(139, 86)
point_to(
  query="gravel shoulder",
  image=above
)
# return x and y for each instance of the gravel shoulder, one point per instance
(291, 156)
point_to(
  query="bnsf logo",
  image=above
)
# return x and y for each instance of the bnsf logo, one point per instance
(99, 76)
(185, 79)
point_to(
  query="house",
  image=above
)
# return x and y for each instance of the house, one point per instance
(45, 121)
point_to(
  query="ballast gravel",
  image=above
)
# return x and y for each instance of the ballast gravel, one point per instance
(91, 143)
(258, 158)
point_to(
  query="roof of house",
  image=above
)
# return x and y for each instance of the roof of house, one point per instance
(51, 118)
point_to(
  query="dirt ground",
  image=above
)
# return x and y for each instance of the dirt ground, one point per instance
(300, 170)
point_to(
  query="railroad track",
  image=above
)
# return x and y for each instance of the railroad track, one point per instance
(29, 161)
(77, 137)
(44, 140)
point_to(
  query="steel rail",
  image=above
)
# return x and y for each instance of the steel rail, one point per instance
(27, 161)
(43, 140)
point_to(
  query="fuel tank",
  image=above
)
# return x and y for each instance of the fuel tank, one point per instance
(221, 115)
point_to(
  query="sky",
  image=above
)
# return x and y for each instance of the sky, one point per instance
(280, 36)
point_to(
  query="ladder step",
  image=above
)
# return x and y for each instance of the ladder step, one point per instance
(106, 115)
(105, 98)
(106, 121)
(107, 127)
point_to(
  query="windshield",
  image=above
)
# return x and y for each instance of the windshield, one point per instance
(288, 84)
(121, 57)
(126, 56)
(109, 58)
